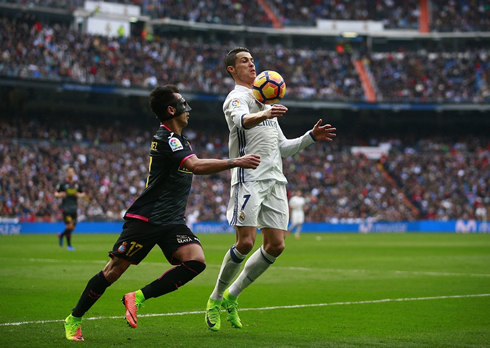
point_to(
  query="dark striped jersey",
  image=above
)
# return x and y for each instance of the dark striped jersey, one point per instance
(69, 204)
(168, 184)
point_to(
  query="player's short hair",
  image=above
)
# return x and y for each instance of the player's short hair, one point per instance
(160, 98)
(230, 57)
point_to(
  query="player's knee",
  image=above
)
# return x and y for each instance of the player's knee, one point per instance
(115, 269)
(244, 245)
(275, 249)
(195, 267)
(113, 274)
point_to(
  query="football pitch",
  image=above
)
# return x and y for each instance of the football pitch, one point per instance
(326, 290)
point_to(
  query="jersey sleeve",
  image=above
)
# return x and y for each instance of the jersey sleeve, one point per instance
(176, 149)
(235, 108)
(289, 147)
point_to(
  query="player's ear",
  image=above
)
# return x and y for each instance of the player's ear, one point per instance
(230, 68)
(170, 110)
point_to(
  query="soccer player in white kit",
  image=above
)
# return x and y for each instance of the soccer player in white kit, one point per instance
(297, 204)
(258, 197)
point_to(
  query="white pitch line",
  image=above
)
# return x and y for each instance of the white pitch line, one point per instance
(266, 308)
(304, 269)
(444, 274)
(438, 274)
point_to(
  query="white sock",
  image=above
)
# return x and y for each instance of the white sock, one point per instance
(229, 269)
(254, 267)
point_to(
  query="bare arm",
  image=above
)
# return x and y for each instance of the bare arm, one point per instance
(61, 194)
(210, 166)
(251, 120)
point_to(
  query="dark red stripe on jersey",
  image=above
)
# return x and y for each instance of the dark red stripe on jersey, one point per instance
(185, 158)
(139, 217)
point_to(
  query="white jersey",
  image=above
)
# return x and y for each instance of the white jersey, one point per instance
(266, 139)
(297, 204)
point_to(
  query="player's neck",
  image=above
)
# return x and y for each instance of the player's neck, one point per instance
(173, 126)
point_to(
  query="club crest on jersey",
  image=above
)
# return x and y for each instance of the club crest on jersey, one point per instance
(175, 144)
(235, 103)
(242, 216)
(122, 248)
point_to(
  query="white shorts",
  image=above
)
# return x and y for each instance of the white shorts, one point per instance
(297, 217)
(259, 203)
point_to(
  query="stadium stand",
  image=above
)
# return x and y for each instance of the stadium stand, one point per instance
(444, 16)
(460, 77)
(424, 176)
(441, 177)
(56, 53)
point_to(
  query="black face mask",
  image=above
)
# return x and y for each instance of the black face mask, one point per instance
(181, 105)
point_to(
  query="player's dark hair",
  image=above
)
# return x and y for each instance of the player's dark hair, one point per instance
(230, 57)
(160, 98)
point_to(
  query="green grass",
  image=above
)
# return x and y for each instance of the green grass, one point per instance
(426, 280)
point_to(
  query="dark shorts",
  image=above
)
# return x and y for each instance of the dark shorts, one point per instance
(69, 217)
(139, 237)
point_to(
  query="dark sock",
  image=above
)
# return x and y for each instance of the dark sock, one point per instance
(93, 291)
(173, 279)
(68, 238)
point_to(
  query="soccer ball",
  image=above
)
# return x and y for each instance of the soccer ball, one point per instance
(269, 87)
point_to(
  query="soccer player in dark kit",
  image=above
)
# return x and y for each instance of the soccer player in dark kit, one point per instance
(70, 190)
(157, 217)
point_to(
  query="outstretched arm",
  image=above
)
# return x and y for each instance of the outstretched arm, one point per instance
(289, 147)
(210, 166)
(60, 194)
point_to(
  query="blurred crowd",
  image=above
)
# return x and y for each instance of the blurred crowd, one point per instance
(394, 15)
(459, 15)
(32, 50)
(461, 77)
(56, 53)
(432, 178)
(70, 5)
(429, 178)
(444, 179)
(445, 15)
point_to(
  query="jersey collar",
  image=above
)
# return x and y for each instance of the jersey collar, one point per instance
(164, 126)
(242, 88)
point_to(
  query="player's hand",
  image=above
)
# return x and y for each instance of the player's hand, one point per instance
(62, 194)
(247, 161)
(277, 110)
(325, 133)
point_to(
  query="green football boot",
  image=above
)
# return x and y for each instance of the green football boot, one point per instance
(231, 305)
(213, 315)
(73, 328)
